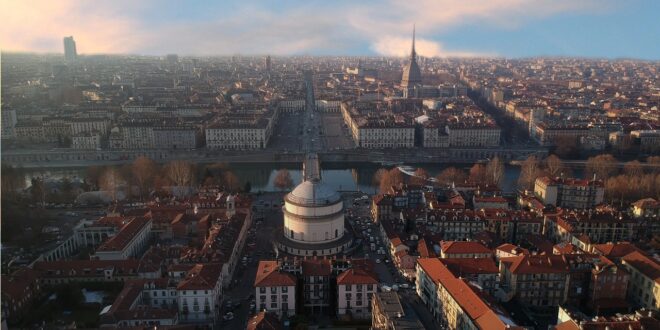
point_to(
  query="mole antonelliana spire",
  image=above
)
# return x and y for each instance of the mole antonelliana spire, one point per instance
(412, 75)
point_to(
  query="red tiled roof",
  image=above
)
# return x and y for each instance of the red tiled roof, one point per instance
(460, 247)
(356, 276)
(264, 321)
(18, 284)
(617, 250)
(85, 268)
(536, 264)
(201, 277)
(125, 235)
(461, 267)
(650, 268)
(512, 249)
(318, 267)
(268, 274)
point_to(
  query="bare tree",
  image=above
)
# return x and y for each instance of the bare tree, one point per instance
(554, 166)
(654, 163)
(378, 176)
(530, 169)
(420, 177)
(93, 175)
(12, 181)
(495, 171)
(283, 179)
(111, 182)
(143, 170)
(603, 166)
(478, 174)
(566, 146)
(633, 168)
(232, 183)
(180, 172)
(451, 175)
(394, 177)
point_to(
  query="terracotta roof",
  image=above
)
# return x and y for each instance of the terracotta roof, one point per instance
(647, 203)
(461, 267)
(264, 321)
(617, 250)
(86, 268)
(461, 247)
(19, 283)
(645, 265)
(201, 277)
(125, 235)
(318, 267)
(512, 249)
(356, 276)
(268, 274)
(535, 264)
(423, 249)
(480, 312)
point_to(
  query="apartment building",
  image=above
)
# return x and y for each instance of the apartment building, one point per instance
(355, 288)
(644, 284)
(535, 280)
(596, 227)
(199, 293)
(569, 193)
(88, 141)
(175, 137)
(275, 289)
(473, 134)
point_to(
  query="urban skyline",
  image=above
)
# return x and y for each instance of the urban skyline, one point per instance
(503, 28)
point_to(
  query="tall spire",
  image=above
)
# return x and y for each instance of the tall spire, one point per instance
(413, 54)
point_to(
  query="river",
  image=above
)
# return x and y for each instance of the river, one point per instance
(261, 176)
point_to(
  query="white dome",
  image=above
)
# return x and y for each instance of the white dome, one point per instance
(313, 193)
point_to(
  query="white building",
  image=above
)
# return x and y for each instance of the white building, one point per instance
(200, 293)
(275, 290)
(355, 287)
(469, 135)
(8, 122)
(89, 125)
(91, 141)
(175, 137)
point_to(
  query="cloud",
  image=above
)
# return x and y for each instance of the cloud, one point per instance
(157, 27)
(400, 47)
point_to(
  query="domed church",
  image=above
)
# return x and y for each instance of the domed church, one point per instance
(313, 216)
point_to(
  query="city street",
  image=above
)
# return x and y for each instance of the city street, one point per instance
(287, 134)
(259, 246)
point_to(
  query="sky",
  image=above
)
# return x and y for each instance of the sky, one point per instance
(456, 28)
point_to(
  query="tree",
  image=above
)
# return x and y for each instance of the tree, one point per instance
(232, 183)
(495, 171)
(38, 191)
(378, 176)
(143, 170)
(420, 177)
(554, 166)
(478, 174)
(111, 182)
(93, 174)
(12, 181)
(283, 179)
(603, 166)
(451, 175)
(180, 172)
(394, 177)
(529, 171)
(566, 146)
(654, 163)
(67, 190)
(247, 187)
(633, 168)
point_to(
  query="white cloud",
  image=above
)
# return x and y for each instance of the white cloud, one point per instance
(120, 26)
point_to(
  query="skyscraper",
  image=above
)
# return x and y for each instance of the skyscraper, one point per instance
(411, 74)
(268, 63)
(70, 53)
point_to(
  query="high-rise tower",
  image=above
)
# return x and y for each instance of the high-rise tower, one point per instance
(70, 53)
(412, 75)
(268, 63)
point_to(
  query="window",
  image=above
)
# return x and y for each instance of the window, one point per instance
(285, 289)
(273, 305)
(262, 290)
(348, 287)
(273, 290)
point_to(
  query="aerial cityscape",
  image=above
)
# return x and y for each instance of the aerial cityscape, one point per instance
(273, 183)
